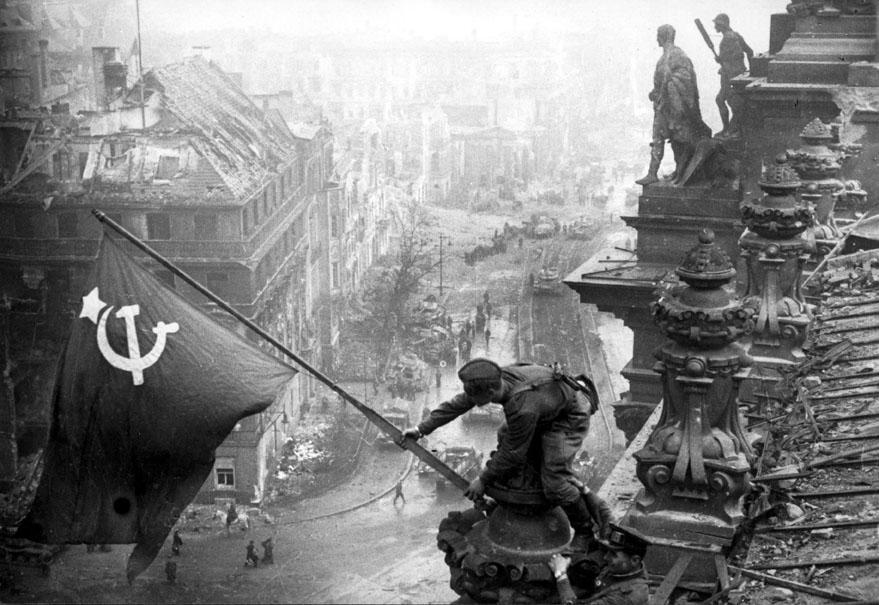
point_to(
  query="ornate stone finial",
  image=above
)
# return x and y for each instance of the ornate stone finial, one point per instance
(778, 214)
(701, 314)
(706, 265)
(817, 130)
(780, 178)
(695, 464)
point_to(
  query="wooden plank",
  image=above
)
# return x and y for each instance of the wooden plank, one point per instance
(671, 580)
(834, 595)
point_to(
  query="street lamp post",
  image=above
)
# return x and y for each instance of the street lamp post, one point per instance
(441, 238)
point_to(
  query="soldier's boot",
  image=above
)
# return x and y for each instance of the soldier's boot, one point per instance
(656, 152)
(581, 523)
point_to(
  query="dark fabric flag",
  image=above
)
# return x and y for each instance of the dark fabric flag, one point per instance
(147, 388)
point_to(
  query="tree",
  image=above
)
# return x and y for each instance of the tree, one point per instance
(396, 277)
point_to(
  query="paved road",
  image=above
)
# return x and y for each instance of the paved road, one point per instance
(377, 553)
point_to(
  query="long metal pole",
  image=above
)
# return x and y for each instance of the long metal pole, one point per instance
(373, 416)
(441, 264)
(140, 67)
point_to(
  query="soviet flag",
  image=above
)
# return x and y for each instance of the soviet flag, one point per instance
(147, 388)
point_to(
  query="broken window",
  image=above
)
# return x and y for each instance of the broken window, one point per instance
(225, 477)
(68, 225)
(169, 165)
(206, 227)
(158, 226)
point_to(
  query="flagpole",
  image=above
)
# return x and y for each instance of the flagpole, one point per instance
(373, 416)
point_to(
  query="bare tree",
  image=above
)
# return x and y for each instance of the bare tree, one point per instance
(397, 277)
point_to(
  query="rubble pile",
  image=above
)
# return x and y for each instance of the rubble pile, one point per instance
(313, 458)
(815, 515)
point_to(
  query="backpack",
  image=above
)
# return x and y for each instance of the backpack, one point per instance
(580, 382)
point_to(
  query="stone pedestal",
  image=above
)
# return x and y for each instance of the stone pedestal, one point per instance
(668, 218)
(775, 253)
(695, 466)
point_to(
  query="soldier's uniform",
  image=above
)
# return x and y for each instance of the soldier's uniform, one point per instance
(621, 589)
(615, 588)
(539, 409)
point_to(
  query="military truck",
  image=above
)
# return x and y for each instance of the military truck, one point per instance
(397, 413)
(464, 460)
(547, 281)
(407, 375)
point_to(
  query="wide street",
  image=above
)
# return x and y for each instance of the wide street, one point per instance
(353, 544)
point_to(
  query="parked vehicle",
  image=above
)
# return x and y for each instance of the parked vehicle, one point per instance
(407, 376)
(397, 413)
(463, 460)
(548, 281)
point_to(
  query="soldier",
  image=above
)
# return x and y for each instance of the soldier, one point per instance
(540, 409)
(676, 113)
(268, 551)
(624, 579)
(176, 543)
(398, 493)
(250, 558)
(731, 56)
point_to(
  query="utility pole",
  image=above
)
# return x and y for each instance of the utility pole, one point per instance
(441, 238)
(140, 68)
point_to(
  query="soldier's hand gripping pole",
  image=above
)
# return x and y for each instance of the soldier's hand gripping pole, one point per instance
(374, 417)
(707, 38)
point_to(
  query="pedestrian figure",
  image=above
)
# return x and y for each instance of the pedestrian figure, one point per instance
(521, 239)
(398, 493)
(231, 517)
(268, 551)
(487, 308)
(487, 337)
(176, 543)
(171, 572)
(439, 378)
(250, 557)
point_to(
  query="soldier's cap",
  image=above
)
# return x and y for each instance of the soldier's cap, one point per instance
(722, 18)
(626, 539)
(481, 370)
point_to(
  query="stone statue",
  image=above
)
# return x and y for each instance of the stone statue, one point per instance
(676, 113)
(731, 57)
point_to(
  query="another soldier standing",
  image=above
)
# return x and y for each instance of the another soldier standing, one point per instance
(543, 413)
(622, 582)
(250, 557)
(268, 551)
(731, 56)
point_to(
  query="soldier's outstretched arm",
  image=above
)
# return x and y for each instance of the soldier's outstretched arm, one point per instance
(439, 416)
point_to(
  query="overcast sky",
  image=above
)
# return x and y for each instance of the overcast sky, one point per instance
(457, 19)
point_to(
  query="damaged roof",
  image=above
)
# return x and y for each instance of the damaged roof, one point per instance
(816, 512)
(242, 143)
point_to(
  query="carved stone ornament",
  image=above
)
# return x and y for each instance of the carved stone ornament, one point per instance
(698, 459)
(814, 160)
(778, 214)
(701, 314)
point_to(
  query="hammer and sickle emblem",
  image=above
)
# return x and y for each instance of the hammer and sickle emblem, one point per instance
(135, 362)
